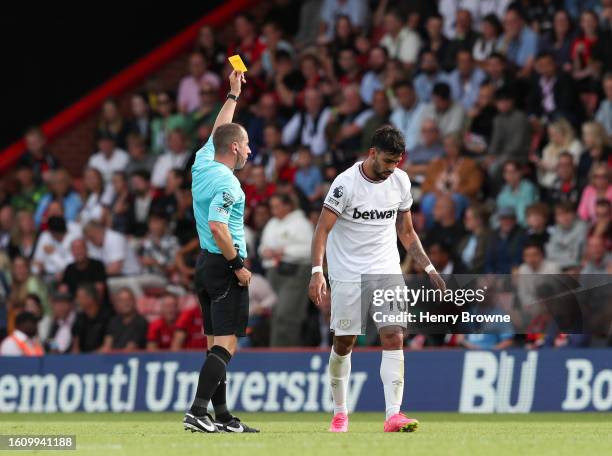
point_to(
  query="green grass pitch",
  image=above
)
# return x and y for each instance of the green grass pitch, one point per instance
(289, 434)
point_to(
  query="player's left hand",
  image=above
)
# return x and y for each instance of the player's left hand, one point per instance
(437, 280)
(317, 288)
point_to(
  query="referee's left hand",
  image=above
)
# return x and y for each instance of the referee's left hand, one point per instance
(244, 276)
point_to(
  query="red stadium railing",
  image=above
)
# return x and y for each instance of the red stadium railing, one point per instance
(126, 79)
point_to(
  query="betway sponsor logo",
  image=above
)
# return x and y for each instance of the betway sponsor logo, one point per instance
(163, 387)
(373, 214)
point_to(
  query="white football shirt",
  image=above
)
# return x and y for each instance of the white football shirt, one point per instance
(364, 238)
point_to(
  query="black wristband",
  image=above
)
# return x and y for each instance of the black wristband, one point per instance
(236, 263)
(232, 96)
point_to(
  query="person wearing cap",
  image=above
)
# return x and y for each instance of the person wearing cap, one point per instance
(505, 247)
(52, 254)
(24, 340)
(63, 316)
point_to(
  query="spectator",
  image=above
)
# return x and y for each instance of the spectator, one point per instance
(166, 121)
(381, 116)
(558, 41)
(536, 218)
(37, 157)
(209, 47)
(599, 187)
(505, 249)
(498, 73)
(308, 23)
(24, 340)
(175, 158)
(203, 118)
(308, 177)
(285, 250)
(436, 44)
(454, 174)
(93, 209)
(120, 206)
(266, 113)
(429, 75)
(491, 29)
(84, 271)
(161, 330)
(518, 42)
(345, 125)
(139, 202)
(189, 87)
(480, 120)
(583, 46)
(30, 192)
(140, 123)
(349, 71)
(188, 330)
(565, 185)
(442, 258)
(517, 192)
(604, 113)
(91, 323)
(408, 114)
(446, 226)
(127, 330)
(60, 190)
(111, 123)
(598, 259)
(52, 253)
(567, 237)
(249, 45)
(602, 225)
(112, 249)
(534, 265)
(373, 79)
(561, 136)
(6, 225)
(472, 248)
(258, 189)
(63, 317)
(400, 41)
(307, 127)
(140, 159)
(272, 34)
(262, 300)
(596, 150)
(22, 284)
(552, 92)
(429, 148)
(465, 81)
(109, 159)
(511, 134)
(33, 305)
(23, 236)
(355, 10)
(448, 114)
(158, 249)
(465, 37)
(283, 170)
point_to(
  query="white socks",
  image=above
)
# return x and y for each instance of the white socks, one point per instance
(392, 376)
(339, 373)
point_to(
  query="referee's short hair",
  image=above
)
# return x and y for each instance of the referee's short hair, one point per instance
(225, 135)
(389, 140)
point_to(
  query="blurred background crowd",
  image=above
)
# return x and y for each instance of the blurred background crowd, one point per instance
(507, 112)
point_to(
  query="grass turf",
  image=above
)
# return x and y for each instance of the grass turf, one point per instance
(153, 434)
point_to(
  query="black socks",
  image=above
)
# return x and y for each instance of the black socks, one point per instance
(211, 384)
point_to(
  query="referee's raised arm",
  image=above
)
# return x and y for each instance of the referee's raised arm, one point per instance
(226, 114)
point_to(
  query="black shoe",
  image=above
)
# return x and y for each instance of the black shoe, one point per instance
(199, 423)
(234, 425)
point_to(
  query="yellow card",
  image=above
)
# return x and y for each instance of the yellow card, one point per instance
(237, 63)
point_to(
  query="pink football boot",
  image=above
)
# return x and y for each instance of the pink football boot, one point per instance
(339, 423)
(400, 423)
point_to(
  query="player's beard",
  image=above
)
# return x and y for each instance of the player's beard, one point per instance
(379, 172)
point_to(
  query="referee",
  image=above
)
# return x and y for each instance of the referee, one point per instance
(221, 280)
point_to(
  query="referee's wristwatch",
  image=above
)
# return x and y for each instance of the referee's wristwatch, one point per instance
(231, 96)
(236, 263)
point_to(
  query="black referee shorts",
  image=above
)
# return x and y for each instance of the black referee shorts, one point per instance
(225, 304)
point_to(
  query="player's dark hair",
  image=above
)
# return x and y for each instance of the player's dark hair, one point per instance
(389, 140)
(225, 135)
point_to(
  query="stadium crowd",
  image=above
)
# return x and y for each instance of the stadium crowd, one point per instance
(506, 108)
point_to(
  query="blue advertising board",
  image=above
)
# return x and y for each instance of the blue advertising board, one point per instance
(294, 381)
